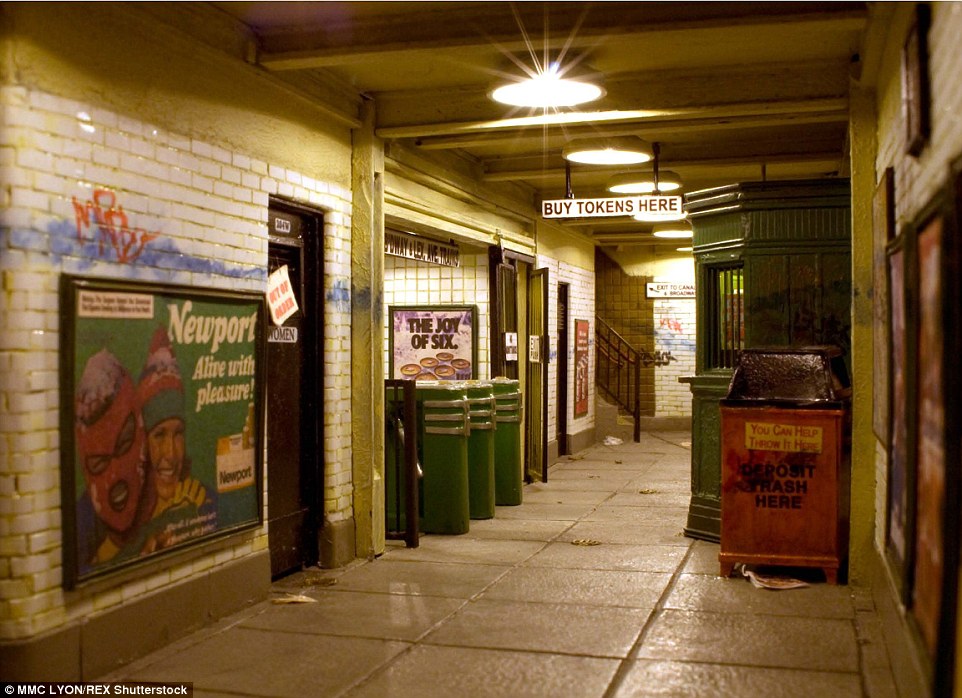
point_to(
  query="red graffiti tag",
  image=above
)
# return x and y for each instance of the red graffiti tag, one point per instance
(112, 226)
(671, 323)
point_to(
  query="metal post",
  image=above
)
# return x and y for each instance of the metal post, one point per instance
(637, 431)
(412, 505)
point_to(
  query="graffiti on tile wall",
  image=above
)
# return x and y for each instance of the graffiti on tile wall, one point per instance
(100, 231)
(102, 218)
(671, 324)
(657, 358)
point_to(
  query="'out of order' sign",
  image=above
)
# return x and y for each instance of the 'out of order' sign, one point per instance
(650, 204)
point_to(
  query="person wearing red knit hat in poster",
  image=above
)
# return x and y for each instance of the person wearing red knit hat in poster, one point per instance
(179, 496)
(117, 500)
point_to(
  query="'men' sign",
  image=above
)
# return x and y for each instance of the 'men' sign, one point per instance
(646, 204)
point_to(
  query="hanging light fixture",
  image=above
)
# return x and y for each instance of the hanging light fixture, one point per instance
(659, 216)
(644, 182)
(674, 229)
(548, 89)
(624, 150)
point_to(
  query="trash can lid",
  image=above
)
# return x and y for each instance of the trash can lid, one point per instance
(447, 386)
(798, 376)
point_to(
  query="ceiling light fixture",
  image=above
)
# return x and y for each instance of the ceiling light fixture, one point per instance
(659, 216)
(644, 182)
(653, 182)
(626, 150)
(673, 230)
(547, 90)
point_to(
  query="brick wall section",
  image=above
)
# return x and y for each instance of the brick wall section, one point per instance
(917, 180)
(657, 326)
(674, 321)
(206, 210)
(581, 306)
(622, 304)
(410, 282)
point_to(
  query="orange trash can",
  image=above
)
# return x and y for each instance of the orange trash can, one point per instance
(785, 470)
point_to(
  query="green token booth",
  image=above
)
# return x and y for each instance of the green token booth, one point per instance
(772, 268)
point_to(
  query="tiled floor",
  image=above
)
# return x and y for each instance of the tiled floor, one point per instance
(521, 606)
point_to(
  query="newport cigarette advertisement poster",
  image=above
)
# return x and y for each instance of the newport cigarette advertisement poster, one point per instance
(161, 428)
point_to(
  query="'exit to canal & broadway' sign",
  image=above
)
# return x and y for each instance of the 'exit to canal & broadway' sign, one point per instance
(646, 204)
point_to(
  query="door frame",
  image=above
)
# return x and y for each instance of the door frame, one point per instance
(311, 247)
(564, 298)
(537, 412)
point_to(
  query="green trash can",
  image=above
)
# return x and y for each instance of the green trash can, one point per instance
(443, 440)
(481, 409)
(508, 469)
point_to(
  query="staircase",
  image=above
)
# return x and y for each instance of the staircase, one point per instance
(618, 393)
(618, 372)
(611, 420)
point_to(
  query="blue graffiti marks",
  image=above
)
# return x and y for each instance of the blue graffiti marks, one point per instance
(362, 297)
(671, 341)
(339, 296)
(163, 255)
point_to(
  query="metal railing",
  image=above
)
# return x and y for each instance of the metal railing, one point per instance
(402, 469)
(618, 371)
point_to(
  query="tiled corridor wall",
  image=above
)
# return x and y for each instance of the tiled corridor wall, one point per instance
(410, 282)
(163, 207)
(674, 322)
(581, 301)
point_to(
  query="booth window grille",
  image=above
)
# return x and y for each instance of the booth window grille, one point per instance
(726, 314)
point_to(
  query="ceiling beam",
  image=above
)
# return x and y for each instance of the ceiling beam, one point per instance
(788, 107)
(828, 158)
(395, 36)
(661, 128)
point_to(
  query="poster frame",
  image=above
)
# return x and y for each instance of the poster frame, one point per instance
(925, 282)
(883, 225)
(900, 460)
(581, 367)
(394, 311)
(915, 82)
(71, 474)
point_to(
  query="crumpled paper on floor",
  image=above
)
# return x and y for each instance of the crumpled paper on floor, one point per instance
(767, 581)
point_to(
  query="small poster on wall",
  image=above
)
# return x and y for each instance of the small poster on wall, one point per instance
(581, 368)
(280, 296)
(510, 346)
(433, 342)
(161, 434)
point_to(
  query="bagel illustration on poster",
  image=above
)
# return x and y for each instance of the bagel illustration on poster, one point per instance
(433, 343)
(162, 397)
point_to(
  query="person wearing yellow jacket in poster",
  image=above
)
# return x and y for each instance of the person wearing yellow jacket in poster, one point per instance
(183, 507)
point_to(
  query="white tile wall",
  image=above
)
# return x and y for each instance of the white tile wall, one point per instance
(917, 180)
(674, 322)
(201, 211)
(410, 282)
(581, 306)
